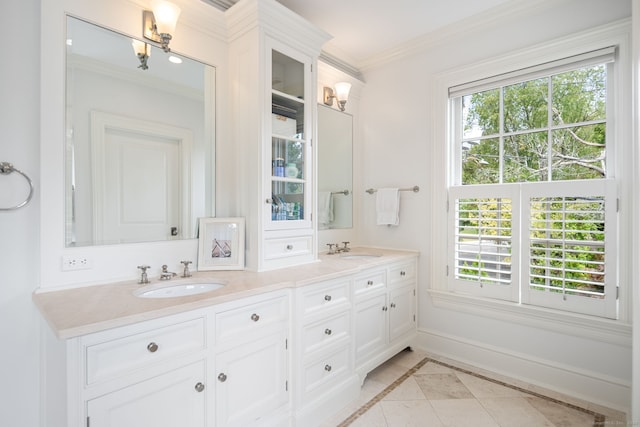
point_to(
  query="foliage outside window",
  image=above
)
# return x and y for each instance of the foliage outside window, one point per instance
(532, 202)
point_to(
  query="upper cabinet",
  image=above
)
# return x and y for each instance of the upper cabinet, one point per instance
(272, 55)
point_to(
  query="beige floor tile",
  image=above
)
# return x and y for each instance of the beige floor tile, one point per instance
(416, 413)
(462, 413)
(442, 386)
(561, 415)
(434, 368)
(386, 374)
(515, 412)
(374, 417)
(408, 390)
(480, 387)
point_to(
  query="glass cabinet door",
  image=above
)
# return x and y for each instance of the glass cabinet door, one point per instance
(290, 145)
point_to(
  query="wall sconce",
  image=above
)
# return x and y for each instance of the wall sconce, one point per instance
(341, 94)
(142, 51)
(160, 24)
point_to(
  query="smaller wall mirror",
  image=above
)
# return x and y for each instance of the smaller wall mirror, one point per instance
(335, 169)
(139, 140)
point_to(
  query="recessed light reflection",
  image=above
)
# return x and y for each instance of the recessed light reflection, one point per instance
(175, 59)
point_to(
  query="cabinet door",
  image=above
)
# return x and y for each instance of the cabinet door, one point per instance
(289, 165)
(401, 312)
(251, 381)
(176, 398)
(371, 325)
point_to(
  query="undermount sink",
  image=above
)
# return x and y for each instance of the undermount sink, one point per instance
(178, 290)
(358, 256)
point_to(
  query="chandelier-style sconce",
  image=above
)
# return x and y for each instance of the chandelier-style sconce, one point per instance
(160, 24)
(341, 94)
(142, 51)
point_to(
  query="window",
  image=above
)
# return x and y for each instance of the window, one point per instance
(532, 204)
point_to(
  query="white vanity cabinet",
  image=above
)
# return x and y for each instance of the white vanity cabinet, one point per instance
(325, 375)
(385, 313)
(273, 55)
(251, 362)
(149, 374)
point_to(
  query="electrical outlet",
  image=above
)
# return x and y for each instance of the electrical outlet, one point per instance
(79, 262)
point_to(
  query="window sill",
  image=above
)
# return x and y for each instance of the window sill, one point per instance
(599, 329)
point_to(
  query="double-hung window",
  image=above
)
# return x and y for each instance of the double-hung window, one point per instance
(532, 199)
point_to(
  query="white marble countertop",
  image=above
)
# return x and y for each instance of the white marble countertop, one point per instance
(79, 311)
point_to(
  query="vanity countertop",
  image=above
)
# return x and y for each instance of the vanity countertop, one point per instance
(83, 310)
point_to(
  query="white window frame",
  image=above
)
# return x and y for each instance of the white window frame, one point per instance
(442, 297)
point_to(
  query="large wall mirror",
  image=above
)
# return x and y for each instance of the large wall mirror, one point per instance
(139, 142)
(335, 169)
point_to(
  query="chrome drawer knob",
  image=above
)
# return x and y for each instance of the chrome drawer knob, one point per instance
(152, 347)
(370, 283)
(222, 377)
(199, 387)
(327, 368)
(384, 308)
(327, 297)
(393, 305)
(327, 331)
(402, 273)
(255, 317)
(289, 247)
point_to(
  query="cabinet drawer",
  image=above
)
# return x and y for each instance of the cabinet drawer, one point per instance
(370, 281)
(325, 332)
(325, 296)
(322, 374)
(120, 356)
(401, 272)
(241, 324)
(287, 247)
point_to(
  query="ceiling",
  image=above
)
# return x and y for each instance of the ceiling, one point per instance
(364, 29)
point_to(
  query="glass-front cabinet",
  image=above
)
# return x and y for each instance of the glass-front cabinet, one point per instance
(290, 170)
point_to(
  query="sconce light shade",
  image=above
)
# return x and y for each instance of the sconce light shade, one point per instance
(166, 15)
(341, 94)
(342, 91)
(160, 24)
(142, 51)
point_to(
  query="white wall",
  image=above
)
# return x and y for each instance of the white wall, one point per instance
(19, 144)
(398, 150)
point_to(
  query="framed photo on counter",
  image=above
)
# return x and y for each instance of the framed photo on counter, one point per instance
(221, 244)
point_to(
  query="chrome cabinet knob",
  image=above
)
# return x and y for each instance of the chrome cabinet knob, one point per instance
(255, 317)
(384, 308)
(199, 387)
(327, 331)
(369, 282)
(222, 377)
(289, 247)
(403, 273)
(393, 305)
(327, 297)
(327, 368)
(152, 347)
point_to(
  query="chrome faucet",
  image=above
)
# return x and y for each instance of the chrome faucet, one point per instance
(186, 272)
(144, 279)
(165, 274)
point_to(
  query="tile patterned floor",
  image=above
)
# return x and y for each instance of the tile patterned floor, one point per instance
(415, 389)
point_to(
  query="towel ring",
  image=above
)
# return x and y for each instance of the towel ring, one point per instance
(5, 169)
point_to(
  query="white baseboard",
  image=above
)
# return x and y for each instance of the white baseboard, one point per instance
(568, 381)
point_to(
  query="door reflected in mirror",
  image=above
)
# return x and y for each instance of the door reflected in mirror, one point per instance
(335, 170)
(140, 141)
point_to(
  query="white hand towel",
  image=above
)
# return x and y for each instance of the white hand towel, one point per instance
(325, 208)
(388, 206)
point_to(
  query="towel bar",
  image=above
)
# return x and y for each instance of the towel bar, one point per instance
(415, 189)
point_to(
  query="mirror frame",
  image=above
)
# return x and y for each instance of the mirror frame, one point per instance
(200, 34)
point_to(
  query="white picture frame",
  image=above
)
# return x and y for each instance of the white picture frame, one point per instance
(220, 244)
